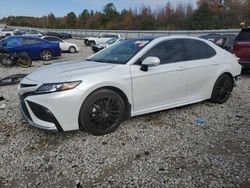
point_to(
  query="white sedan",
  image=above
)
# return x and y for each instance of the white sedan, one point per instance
(131, 78)
(65, 46)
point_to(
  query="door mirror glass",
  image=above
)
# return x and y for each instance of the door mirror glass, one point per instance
(151, 61)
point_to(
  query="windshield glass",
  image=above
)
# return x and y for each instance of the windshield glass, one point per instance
(120, 53)
(111, 41)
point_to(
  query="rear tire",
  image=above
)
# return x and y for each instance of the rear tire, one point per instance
(222, 89)
(46, 55)
(72, 49)
(102, 112)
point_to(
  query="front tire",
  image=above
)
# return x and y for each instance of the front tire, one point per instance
(25, 61)
(46, 55)
(102, 112)
(91, 43)
(222, 89)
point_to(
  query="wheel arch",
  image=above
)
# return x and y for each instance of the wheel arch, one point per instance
(117, 90)
(221, 73)
(46, 49)
(124, 98)
(71, 46)
(227, 73)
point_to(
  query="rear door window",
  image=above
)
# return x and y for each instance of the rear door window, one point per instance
(30, 41)
(195, 49)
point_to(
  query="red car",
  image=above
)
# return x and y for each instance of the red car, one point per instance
(241, 47)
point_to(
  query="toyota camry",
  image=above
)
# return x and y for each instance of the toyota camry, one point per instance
(134, 77)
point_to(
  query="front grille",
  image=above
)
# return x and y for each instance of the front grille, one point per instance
(27, 85)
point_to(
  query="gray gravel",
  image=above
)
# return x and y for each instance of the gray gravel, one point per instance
(164, 149)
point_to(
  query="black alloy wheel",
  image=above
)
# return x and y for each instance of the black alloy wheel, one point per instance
(102, 112)
(222, 89)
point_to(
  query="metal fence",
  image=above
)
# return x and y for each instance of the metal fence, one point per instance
(81, 33)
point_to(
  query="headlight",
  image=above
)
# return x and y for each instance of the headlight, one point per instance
(54, 87)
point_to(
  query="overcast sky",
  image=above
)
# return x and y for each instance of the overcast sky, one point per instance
(62, 7)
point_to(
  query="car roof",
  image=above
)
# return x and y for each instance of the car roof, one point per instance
(48, 36)
(169, 37)
(246, 29)
(23, 36)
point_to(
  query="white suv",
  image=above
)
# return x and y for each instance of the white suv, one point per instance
(102, 38)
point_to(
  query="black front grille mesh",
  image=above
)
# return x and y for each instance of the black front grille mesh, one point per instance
(24, 108)
(27, 85)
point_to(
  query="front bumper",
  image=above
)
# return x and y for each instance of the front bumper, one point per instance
(51, 123)
(52, 111)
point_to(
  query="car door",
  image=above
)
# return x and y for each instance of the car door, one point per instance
(162, 85)
(32, 46)
(201, 69)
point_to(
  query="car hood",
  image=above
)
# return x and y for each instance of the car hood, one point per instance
(69, 44)
(90, 38)
(67, 71)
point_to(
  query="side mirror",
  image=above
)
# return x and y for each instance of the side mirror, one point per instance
(148, 62)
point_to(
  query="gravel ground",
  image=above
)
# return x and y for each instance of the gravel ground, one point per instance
(164, 149)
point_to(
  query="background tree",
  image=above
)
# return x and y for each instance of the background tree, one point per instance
(71, 20)
(83, 17)
(207, 15)
(52, 21)
(202, 18)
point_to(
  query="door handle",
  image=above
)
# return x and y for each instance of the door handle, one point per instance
(182, 68)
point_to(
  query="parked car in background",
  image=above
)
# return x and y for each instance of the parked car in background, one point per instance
(20, 31)
(102, 38)
(33, 33)
(54, 34)
(65, 46)
(241, 47)
(98, 47)
(210, 36)
(65, 35)
(226, 41)
(131, 78)
(4, 32)
(35, 47)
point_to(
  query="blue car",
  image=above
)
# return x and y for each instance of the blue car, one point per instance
(35, 47)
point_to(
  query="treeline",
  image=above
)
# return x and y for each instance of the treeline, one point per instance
(208, 15)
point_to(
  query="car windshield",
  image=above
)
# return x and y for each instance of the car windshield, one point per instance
(111, 41)
(120, 53)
